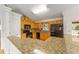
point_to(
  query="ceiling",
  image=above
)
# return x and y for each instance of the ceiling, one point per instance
(55, 10)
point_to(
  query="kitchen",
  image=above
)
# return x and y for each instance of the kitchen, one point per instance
(25, 31)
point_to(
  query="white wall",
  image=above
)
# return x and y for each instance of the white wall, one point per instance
(67, 23)
(75, 13)
(10, 22)
(15, 24)
(70, 15)
(4, 17)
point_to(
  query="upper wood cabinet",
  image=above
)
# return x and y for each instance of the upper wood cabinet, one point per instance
(25, 21)
(56, 22)
(35, 26)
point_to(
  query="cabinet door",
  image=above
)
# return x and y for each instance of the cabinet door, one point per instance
(42, 36)
(34, 35)
(35, 26)
(47, 35)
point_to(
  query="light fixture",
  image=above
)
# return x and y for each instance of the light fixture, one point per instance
(39, 9)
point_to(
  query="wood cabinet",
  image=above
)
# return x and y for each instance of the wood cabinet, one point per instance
(34, 35)
(35, 26)
(25, 23)
(57, 30)
(40, 30)
(44, 35)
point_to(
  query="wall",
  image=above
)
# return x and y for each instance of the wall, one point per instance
(15, 24)
(7, 26)
(70, 15)
(0, 30)
(4, 17)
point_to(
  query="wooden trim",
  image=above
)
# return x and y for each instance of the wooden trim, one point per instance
(76, 22)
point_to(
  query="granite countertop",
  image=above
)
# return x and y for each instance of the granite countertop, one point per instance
(52, 45)
(35, 30)
(22, 45)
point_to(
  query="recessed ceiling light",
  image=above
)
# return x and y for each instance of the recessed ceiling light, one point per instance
(39, 9)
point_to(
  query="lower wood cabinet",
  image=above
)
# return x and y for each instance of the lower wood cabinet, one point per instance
(34, 35)
(38, 35)
(41, 35)
(44, 35)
